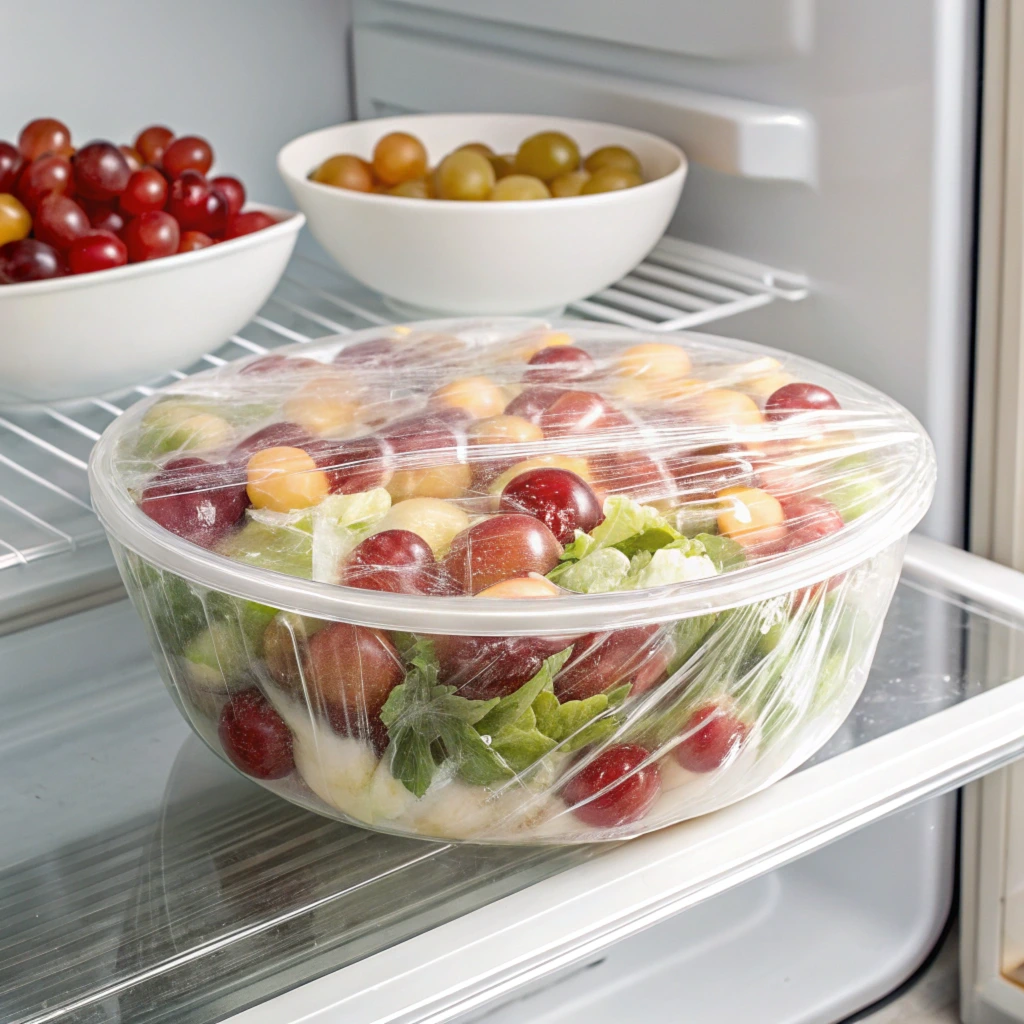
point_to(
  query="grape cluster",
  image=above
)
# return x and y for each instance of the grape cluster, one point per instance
(547, 165)
(74, 211)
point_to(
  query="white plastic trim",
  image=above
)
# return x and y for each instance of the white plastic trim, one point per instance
(741, 137)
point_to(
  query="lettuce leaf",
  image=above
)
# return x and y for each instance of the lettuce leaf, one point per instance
(419, 712)
(575, 723)
(723, 551)
(624, 522)
(669, 565)
(510, 709)
(339, 523)
(596, 573)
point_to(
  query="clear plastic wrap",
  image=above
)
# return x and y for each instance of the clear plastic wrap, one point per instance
(511, 581)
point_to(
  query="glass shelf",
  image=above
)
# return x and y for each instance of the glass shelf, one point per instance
(141, 879)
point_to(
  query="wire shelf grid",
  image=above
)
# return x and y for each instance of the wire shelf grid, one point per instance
(44, 450)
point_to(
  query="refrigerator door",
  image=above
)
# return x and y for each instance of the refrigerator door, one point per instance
(830, 138)
(141, 879)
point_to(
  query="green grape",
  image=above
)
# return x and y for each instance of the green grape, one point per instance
(504, 164)
(479, 147)
(465, 175)
(569, 184)
(613, 156)
(610, 179)
(519, 187)
(175, 425)
(216, 659)
(418, 188)
(546, 155)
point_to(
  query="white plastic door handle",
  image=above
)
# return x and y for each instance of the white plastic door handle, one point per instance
(403, 70)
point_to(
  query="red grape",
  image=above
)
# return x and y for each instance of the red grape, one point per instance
(433, 432)
(10, 166)
(558, 363)
(233, 191)
(378, 352)
(146, 190)
(133, 156)
(47, 174)
(105, 218)
(561, 500)
(42, 136)
(796, 398)
(96, 250)
(276, 435)
(255, 737)
(809, 519)
(101, 171)
(637, 655)
(29, 260)
(397, 561)
(59, 221)
(151, 236)
(151, 143)
(187, 153)
(354, 465)
(195, 500)
(712, 734)
(351, 670)
(196, 206)
(574, 412)
(274, 363)
(699, 477)
(193, 241)
(617, 787)
(247, 223)
(531, 403)
(482, 667)
(634, 473)
(499, 548)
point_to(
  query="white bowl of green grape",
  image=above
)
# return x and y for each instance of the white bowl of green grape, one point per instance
(484, 213)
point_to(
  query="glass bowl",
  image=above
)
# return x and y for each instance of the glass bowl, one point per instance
(367, 591)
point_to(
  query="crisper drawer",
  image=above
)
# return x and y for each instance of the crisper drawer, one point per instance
(140, 879)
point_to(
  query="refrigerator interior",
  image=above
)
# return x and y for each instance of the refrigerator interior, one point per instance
(175, 889)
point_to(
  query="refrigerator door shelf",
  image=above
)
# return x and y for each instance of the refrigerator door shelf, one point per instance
(142, 879)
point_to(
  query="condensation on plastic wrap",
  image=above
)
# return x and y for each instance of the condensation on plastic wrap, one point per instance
(510, 581)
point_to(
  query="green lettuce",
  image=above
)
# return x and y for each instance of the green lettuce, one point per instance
(488, 741)
(421, 713)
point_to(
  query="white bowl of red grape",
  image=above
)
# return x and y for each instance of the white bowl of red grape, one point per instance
(484, 213)
(121, 263)
(509, 581)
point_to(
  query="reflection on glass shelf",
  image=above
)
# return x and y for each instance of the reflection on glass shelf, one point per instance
(142, 880)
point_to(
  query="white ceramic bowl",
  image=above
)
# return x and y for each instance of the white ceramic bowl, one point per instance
(92, 334)
(438, 256)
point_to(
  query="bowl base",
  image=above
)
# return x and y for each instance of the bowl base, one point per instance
(409, 311)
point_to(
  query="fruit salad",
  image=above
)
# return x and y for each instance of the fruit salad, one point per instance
(513, 581)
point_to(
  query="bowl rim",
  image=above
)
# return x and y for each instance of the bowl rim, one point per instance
(677, 174)
(865, 537)
(289, 222)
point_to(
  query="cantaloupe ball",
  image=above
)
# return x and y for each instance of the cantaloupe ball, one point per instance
(751, 516)
(654, 361)
(283, 479)
(521, 587)
(478, 396)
